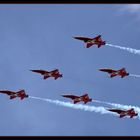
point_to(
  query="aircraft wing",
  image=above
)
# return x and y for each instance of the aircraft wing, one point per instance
(85, 95)
(123, 70)
(39, 71)
(116, 110)
(132, 109)
(98, 38)
(70, 96)
(7, 92)
(121, 116)
(108, 70)
(89, 45)
(85, 39)
(21, 91)
(55, 71)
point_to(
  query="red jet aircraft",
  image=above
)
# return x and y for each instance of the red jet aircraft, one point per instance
(21, 94)
(131, 112)
(54, 73)
(122, 72)
(85, 98)
(92, 41)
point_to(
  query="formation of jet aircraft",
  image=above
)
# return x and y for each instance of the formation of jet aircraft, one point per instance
(83, 98)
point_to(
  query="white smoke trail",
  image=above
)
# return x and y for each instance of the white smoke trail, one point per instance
(101, 110)
(134, 75)
(137, 109)
(131, 50)
(97, 101)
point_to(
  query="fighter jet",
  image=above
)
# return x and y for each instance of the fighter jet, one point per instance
(54, 73)
(131, 112)
(121, 72)
(85, 98)
(92, 41)
(21, 94)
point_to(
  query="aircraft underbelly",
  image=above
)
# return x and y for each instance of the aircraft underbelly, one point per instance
(77, 99)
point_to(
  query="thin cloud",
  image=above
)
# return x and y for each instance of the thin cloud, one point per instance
(131, 8)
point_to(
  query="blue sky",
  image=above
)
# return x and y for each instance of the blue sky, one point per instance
(41, 37)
